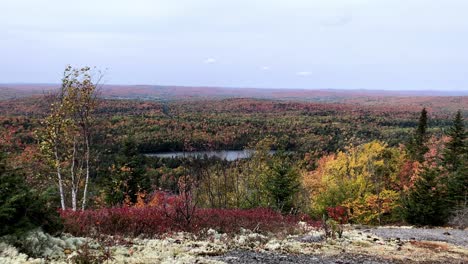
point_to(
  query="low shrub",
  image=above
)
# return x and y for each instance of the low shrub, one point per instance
(337, 217)
(459, 218)
(339, 214)
(157, 220)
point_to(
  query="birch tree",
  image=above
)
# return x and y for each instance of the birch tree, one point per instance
(66, 137)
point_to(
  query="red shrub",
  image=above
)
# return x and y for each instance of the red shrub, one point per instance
(155, 221)
(338, 213)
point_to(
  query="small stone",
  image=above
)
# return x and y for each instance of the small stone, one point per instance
(311, 238)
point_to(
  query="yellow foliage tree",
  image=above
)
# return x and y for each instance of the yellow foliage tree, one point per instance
(364, 179)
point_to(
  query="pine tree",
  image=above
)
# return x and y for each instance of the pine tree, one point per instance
(456, 149)
(454, 162)
(13, 198)
(426, 204)
(282, 184)
(20, 208)
(417, 146)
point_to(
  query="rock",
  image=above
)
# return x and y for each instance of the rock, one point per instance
(273, 245)
(72, 256)
(311, 238)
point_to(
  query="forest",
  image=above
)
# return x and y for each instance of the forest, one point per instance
(333, 163)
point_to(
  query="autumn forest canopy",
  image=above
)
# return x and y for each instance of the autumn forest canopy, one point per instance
(359, 157)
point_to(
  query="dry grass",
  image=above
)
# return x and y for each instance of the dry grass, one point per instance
(437, 246)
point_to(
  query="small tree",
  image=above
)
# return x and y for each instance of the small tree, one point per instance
(454, 162)
(417, 145)
(456, 149)
(20, 208)
(66, 137)
(282, 184)
(251, 189)
(427, 202)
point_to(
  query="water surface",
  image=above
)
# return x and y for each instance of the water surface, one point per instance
(229, 155)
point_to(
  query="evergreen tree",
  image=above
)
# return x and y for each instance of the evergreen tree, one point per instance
(21, 209)
(282, 184)
(458, 185)
(417, 146)
(456, 149)
(13, 198)
(455, 163)
(426, 204)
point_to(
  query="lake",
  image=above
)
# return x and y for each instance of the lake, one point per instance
(229, 155)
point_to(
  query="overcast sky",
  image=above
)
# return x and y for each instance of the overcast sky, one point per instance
(369, 44)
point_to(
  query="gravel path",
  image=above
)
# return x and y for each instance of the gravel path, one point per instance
(453, 236)
(237, 257)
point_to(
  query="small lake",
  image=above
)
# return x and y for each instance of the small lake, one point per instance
(229, 155)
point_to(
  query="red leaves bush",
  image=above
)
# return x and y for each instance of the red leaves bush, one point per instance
(339, 214)
(156, 221)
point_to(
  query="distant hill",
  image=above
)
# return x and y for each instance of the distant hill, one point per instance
(438, 100)
(185, 92)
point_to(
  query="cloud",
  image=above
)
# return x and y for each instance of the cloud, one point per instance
(303, 73)
(209, 60)
(265, 68)
(338, 20)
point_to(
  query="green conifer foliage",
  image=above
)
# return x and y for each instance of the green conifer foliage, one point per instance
(21, 209)
(417, 146)
(456, 149)
(427, 203)
(282, 184)
(454, 162)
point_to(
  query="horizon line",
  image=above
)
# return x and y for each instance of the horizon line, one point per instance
(251, 87)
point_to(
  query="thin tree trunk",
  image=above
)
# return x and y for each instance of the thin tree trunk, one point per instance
(73, 191)
(87, 173)
(59, 176)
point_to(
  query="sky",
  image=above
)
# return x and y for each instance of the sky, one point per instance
(338, 44)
